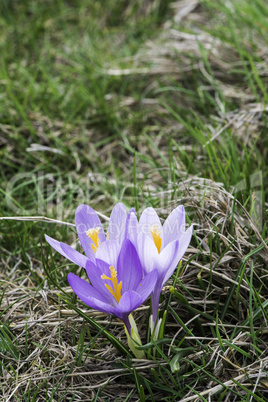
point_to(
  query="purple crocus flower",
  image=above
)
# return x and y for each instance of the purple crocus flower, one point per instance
(115, 289)
(92, 236)
(159, 247)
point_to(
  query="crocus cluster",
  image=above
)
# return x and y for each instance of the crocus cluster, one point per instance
(130, 262)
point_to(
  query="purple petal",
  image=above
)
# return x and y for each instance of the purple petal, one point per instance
(183, 245)
(94, 272)
(169, 257)
(166, 264)
(174, 226)
(89, 295)
(74, 255)
(186, 238)
(148, 219)
(129, 269)
(128, 302)
(132, 226)
(147, 285)
(67, 252)
(117, 224)
(86, 218)
(108, 251)
(56, 245)
(148, 252)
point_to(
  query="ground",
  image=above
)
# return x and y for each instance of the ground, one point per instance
(150, 103)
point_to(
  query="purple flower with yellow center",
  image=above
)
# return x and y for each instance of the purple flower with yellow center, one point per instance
(159, 246)
(92, 237)
(115, 289)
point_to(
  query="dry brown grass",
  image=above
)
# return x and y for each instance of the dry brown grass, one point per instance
(225, 264)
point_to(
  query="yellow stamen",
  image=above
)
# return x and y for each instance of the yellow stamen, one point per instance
(156, 236)
(107, 236)
(94, 235)
(116, 291)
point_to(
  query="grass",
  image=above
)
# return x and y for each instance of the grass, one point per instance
(152, 104)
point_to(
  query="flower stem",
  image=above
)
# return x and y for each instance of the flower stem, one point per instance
(127, 324)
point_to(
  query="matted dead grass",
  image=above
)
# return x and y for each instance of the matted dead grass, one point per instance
(36, 316)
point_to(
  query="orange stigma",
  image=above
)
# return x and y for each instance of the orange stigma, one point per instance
(156, 236)
(116, 291)
(94, 235)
